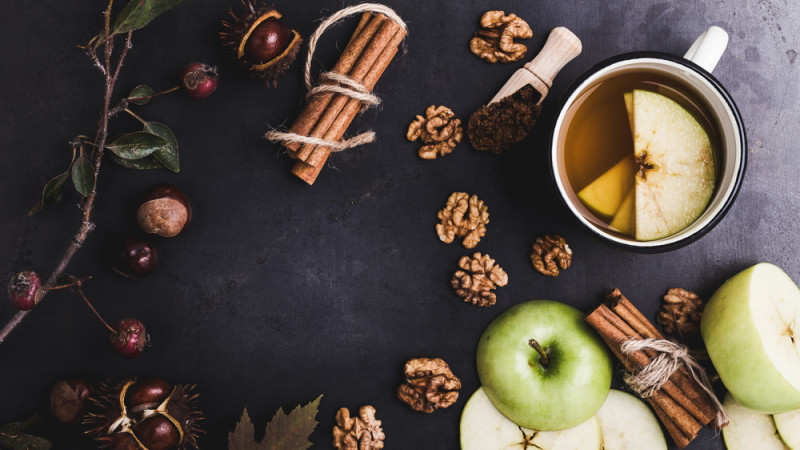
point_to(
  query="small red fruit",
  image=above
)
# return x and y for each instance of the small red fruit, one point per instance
(165, 211)
(68, 400)
(199, 80)
(268, 40)
(129, 338)
(132, 257)
(25, 290)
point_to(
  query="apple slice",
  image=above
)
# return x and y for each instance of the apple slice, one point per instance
(625, 218)
(751, 329)
(675, 168)
(604, 195)
(749, 429)
(483, 427)
(627, 423)
(788, 425)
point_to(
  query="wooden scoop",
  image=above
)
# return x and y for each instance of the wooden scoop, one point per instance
(561, 47)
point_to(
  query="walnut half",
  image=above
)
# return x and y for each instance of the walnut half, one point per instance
(430, 385)
(358, 433)
(551, 252)
(681, 312)
(495, 41)
(478, 276)
(463, 216)
(439, 130)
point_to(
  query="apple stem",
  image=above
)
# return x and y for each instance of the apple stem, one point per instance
(543, 359)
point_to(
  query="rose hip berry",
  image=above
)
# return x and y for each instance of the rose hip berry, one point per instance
(132, 257)
(268, 40)
(199, 80)
(129, 338)
(165, 211)
(25, 290)
(68, 400)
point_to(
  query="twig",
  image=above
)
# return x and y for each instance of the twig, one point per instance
(86, 225)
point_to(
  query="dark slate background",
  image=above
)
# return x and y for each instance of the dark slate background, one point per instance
(280, 292)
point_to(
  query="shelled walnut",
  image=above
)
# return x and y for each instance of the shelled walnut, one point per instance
(439, 130)
(358, 433)
(478, 277)
(551, 252)
(495, 41)
(430, 385)
(463, 216)
(681, 312)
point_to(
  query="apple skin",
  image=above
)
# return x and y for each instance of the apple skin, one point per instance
(566, 393)
(736, 349)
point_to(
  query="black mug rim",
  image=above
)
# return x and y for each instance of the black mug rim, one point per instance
(738, 178)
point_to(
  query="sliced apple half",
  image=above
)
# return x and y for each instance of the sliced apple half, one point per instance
(751, 329)
(675, 167)
(748, 429)
(604, 195)
(627, 423)
(788, 425)
(483, 427)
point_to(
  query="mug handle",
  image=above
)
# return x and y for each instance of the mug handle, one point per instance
(708, 48)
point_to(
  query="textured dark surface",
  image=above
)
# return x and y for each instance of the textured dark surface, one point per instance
(280, 292)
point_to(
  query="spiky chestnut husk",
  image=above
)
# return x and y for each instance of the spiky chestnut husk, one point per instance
(150, 414)
(240, 29)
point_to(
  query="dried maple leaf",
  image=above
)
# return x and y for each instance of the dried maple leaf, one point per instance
(284, 432)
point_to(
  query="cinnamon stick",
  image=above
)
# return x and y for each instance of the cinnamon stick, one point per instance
(309, 170)
(365, 31)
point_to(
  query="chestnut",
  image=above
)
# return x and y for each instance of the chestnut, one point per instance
(158, 433)
(133, 257)
(165, 211)
(269, 39)
(68, 400)
(147, 394)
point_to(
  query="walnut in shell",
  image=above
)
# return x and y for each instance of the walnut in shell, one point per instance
(358, 433)
(439, 131)
(463, 216)
(495, 41)
(477, 279)
(430, 385)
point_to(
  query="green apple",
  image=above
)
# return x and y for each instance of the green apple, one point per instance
(751, 328)
(627, 423)
(675, 166)
(748, 429)
(484, 428)
(788, 425)
(560, 387)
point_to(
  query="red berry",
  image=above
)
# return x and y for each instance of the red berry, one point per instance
(268, 40)
(199, 80)
(132, 257)
(25, 290)
(129, 338)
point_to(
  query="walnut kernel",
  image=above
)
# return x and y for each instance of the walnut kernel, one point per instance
(478, 277)
(495, 41)
(551, 252)
(463, 216)
(439, 130)
(358, 433)
(681, 312)
(430, 385)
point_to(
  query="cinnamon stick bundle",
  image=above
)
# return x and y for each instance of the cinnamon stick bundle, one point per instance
(681, 404)
(327, 115)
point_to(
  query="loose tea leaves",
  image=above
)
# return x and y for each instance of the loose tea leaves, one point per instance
(497, 126)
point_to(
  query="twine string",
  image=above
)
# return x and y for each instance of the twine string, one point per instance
(671, 356)
(337, 83)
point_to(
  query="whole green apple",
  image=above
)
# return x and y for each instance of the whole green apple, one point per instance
(560, 387)
(751, 328)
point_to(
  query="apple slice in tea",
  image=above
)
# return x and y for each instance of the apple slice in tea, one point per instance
(675, 167)
(605, 194)
(624, 219)
(748, 429)
(483, 427)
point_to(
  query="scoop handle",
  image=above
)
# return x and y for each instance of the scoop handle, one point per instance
(562, 46)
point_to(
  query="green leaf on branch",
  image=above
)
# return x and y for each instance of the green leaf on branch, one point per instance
(146, 163)
(83, 176)
(139, 13)
(284, 432)
(52, 192)
(166, 155)
(137, 145)
(140, 95)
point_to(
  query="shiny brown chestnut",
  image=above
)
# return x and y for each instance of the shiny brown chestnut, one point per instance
(165, 211)
(157, 433)
(147, 394)
(68, 400)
